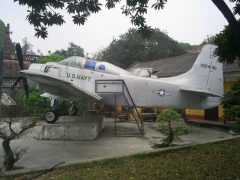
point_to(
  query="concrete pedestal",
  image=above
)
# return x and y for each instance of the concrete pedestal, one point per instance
(71, 128)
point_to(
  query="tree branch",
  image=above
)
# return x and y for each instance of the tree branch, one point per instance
(25, 126)
(2, 134)
(227, 13)
(10, 127)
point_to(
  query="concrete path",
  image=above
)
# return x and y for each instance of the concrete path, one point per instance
(44, 154)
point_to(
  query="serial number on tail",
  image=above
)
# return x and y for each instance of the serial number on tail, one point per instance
(211, 67)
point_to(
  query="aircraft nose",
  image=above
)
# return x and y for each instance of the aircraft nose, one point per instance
(36, 67)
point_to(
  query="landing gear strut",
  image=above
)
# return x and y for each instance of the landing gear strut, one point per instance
(50, 116)
(73, 110)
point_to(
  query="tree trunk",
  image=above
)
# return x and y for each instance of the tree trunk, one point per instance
(170, 136)
(8, 155)
(227, 13)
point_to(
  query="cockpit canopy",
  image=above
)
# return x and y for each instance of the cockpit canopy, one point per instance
(79, 62)
(85, 63)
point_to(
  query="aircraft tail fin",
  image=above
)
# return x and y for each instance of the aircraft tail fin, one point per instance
(205, 76)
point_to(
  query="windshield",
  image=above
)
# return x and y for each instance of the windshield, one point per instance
(73, 61)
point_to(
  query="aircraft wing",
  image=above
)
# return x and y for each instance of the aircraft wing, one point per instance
(199, 92)
(59, 87)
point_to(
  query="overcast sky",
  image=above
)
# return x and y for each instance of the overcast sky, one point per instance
(185, 21)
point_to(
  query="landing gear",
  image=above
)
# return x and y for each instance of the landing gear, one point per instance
(50, 116)
(62, 109)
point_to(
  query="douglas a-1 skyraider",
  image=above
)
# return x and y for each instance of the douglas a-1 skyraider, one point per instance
(77, 78)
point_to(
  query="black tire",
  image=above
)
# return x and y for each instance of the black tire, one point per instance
(50, 117)
(73, 111)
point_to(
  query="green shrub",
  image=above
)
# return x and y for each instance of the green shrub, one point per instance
(36, 102)
(168, 122)
(231, 103)
(50, 58)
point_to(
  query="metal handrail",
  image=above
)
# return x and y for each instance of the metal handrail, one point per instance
(133, 103)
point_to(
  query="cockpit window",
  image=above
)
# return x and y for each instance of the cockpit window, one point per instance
(73, 61)
(64, 62)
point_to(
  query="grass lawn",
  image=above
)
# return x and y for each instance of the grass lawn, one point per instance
(211, 161)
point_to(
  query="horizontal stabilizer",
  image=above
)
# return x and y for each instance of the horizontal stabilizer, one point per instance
(200, 92)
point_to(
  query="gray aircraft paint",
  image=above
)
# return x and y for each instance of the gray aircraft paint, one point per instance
(200, 87)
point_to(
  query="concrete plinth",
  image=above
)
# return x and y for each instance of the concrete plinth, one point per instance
(71, 128)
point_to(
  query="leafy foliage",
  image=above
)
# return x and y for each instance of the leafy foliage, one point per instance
(132, 47)
(42, 14)
(36, 102)
(62, 107)
(164, 121)
(231, 103)
(228, 40)
(51, 58)
(228, 45)
(72, 50)
(2, 34)
(179, 128)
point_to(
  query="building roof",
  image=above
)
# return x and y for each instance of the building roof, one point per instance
(174, 66)
(169, 66)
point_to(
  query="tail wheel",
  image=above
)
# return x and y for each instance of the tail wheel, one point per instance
(50, 116)
(73, 111)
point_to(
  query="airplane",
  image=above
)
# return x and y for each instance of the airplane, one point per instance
(77, 78)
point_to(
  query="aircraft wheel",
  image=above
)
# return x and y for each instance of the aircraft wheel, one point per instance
(50, 116)
(73, 111)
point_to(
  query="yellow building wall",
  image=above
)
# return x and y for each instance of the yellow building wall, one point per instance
(195, 113)
(135, 114)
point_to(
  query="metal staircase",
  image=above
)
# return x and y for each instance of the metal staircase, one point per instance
(118, 87)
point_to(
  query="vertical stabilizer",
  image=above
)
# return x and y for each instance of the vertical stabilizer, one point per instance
(206, 74)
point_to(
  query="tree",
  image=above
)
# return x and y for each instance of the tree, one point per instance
(13, 127)
(227, 13)
(42, 14)
(228, 41)
(231, 103)
(167, 117)
(27, 47)
(35, 102)
(51, 58)
(228, 46)
(132, 47)
(72, 50)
